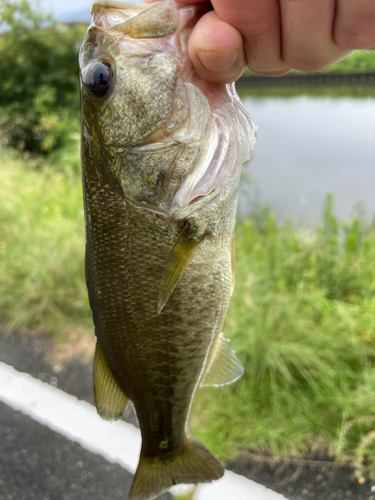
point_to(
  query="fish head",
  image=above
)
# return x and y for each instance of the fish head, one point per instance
(161, 134)
(129, 82)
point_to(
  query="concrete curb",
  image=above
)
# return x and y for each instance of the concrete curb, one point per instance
(118, 442)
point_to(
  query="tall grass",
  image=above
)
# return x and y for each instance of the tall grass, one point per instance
(41, 246)
(301, 319)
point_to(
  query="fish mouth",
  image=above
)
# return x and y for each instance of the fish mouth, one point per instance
(142, 29)
(116, 5)
(140, 21)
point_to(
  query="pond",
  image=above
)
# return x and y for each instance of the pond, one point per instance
(307, 146)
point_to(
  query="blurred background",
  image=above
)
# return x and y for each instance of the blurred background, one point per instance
(302, 315)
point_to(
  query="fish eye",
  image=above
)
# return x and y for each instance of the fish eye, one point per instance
(98, 78)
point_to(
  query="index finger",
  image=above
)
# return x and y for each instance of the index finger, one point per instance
(259, 24)
(215, 47)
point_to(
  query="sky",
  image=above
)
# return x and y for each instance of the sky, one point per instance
(58, 7)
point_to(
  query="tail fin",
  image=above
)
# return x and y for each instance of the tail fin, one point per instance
(190, 465)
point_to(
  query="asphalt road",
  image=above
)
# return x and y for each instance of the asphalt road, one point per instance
(37, 463)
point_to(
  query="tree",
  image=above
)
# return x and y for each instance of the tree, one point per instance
(39, 90)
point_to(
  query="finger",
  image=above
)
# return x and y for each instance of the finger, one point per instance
(307, 38)
(180, 3)
(259, 24)
(354, 26)
(216, 50)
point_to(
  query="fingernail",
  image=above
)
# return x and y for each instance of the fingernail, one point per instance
(215, 60)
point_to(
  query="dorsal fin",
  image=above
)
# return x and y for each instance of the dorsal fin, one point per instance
(224, 367)
(110, 400)
(178, 260)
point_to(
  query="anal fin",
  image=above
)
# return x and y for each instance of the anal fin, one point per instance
(110, 400)
(224, 367)
(178, 260)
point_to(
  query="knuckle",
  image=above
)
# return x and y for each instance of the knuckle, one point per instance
(353, 40)
(271, 74)
(257, 30)
(308, 64)
(270, 69)
(355, 33)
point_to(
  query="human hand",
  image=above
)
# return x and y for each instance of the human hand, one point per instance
(274, 36)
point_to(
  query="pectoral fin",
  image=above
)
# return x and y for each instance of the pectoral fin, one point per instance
(178, 260)
(224, 367)
(109, 398)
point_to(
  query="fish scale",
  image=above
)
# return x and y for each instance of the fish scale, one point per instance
(128, 314)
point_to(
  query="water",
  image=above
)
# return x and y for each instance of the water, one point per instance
(306, 147)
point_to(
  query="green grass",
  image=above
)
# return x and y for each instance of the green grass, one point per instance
(361, 60)
(41, 245)
(301, 319)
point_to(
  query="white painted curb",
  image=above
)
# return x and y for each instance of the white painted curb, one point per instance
(118, 442)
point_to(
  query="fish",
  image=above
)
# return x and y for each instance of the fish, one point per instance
(161, 154)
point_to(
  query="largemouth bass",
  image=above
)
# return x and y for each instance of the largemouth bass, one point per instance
(161, 152)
